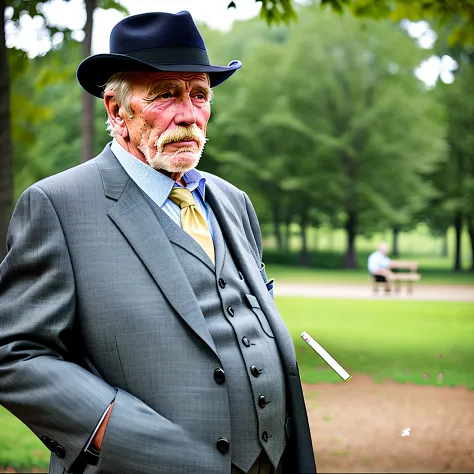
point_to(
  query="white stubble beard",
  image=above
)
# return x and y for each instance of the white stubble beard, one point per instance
(171, 162)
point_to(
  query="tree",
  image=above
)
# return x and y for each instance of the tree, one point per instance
(47, 134)
(460, 110)
(369, 113)
(330, 120)
(88, 101)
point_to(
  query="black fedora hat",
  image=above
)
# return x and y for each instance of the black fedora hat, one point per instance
(152, 42)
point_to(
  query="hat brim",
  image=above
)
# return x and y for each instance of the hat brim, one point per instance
(94, 71)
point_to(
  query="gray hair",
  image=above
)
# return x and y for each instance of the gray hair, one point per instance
(121, 85)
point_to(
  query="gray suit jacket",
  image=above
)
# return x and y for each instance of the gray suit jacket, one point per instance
(93, 308)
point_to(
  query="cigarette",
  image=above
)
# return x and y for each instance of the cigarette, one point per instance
(326, 357)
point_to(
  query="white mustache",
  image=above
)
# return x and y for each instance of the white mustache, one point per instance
(181, 133)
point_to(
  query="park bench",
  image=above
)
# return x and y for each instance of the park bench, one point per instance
(398, 277)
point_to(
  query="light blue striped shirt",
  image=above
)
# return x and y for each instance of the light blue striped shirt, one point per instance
(157, 186)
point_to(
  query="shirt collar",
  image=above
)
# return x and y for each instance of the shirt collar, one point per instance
(154, 184)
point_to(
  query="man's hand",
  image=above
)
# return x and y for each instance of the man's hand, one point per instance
(99, 436)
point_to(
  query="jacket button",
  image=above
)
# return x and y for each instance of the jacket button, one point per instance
(222, 445)
(261, 401)
(245, 342)
(265, 436)
(219, 376)
(52, 445)
(222, 283)
(60, 452)
(255, 372)
(230, 310)
(45, 440)
(241, 275)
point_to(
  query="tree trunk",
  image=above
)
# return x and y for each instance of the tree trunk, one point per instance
(457, 253)
(395, 235)
(276, 223)
(350, 259)
(350, 167)
(287, 233)
(6, 158)
(87, 99)
(444, 245)
(470, 231)
(316, 238)
(304, 255)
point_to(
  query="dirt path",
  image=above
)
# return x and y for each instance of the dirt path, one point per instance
(357, 427)
(362, 291)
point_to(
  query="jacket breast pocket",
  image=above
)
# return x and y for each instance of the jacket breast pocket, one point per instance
(254, 304)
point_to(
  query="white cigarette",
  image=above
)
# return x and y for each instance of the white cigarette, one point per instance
(326, 357)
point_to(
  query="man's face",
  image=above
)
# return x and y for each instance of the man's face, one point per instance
(170, 115)
(383, 248)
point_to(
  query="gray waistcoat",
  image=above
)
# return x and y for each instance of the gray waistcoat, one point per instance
(247, 350)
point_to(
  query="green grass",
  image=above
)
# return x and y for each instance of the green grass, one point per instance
(19, 447)
(407, 341)
(294, 274)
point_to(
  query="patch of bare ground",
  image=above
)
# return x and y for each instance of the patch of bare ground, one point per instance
(357, 427)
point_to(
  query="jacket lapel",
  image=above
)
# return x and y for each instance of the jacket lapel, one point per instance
(237, 242)
(179, 237)
(135, 218)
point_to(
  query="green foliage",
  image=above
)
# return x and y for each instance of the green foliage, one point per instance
(459, 14)
(401, 340)
(112, 5)
(46, 134)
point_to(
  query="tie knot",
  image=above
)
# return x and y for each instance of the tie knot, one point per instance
(182, 197)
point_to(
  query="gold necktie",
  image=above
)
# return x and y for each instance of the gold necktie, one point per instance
(192, 221)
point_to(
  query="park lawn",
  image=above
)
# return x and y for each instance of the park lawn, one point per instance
(407, 341)
(402, 340)
(19, 447)
(293, 274)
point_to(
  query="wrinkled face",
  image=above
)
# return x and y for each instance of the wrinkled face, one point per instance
(170, 115)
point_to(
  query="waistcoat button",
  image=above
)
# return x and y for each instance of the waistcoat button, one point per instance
(219, 376)
(255, 372)
(52, 445)
(230, 310)
(222, 283)
(261, 401)
(60, 451)
(245, 342)
(265, 436)
(222, 445)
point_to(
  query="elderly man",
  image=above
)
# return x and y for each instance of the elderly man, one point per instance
(379, 264)
(138, 330)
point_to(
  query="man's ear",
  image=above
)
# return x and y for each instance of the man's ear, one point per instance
(115, 114)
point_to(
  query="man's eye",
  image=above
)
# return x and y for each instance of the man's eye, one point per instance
(201, 96)
(164, 95)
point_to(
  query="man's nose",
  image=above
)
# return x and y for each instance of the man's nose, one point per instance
(185, 111)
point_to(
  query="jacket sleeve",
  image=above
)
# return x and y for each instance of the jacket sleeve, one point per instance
(254, 236)
(46, 381)
(56, 398)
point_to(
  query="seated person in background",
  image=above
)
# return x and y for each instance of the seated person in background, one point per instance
(379, 264)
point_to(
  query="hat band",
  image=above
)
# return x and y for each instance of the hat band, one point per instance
(172, 56)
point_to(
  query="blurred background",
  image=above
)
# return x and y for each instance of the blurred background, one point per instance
(350, 123)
